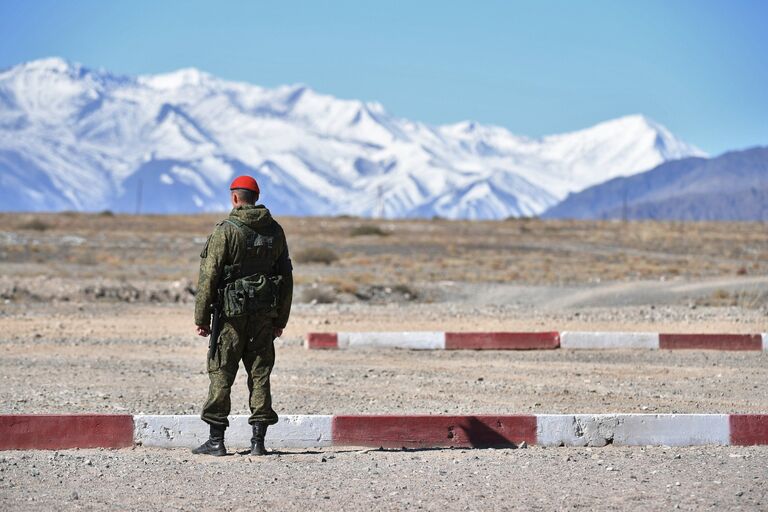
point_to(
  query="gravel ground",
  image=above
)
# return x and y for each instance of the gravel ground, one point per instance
(133, 358)
(612, 478)
(95, 316)
(166, 379)
(138, 360)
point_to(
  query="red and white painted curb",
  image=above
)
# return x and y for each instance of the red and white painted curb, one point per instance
(435, 340)
(61, 431)
(439, 340)
(390, 431)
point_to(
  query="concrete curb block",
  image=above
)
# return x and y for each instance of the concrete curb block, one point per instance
(425, 431)
(425, 340)
(172, 431)
(609, 340)
(431, 340)
(53, 432)
(502, 340)
(711, 341)
(634, 429)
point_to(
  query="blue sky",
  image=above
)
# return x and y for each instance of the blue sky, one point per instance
(699, 67)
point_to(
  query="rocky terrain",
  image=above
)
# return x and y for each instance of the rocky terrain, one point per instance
(96, 316)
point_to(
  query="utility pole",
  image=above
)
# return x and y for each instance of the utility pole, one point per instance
(624, 208)
(139, 185)
(380, 202)
(763, 191)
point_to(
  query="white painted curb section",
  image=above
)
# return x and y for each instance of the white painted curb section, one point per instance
(633, 429)
(674, 430)
(576, 430)
(182, 431)
(603, 340)
(424, 340)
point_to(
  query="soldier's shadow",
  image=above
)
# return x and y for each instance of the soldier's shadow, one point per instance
(476, 435)
(279, 452)
(505, 446)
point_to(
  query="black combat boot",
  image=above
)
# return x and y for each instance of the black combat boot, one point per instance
(257, 441)
(214, 445)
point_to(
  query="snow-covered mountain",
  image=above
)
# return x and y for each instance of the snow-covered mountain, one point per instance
(80, 139)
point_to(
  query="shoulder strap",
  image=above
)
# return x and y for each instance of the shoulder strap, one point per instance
(232, 272)
(239, 225)
(244, 229)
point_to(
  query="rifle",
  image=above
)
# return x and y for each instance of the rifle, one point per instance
(215, 329)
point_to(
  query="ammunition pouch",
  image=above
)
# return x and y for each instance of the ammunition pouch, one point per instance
(256, 294)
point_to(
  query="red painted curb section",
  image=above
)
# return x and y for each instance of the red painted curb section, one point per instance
(322, 340)
(55, 432)
(423, 431)
(711, 341)
(501, 340)
(749, 429)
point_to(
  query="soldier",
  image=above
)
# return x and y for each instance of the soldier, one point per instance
(246, 283)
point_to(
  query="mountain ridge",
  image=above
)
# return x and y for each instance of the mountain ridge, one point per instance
(731, 186)
(92, 139)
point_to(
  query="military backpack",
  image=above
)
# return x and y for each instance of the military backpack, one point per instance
(250, 287)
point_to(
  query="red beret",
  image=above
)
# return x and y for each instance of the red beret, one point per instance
(245, 182)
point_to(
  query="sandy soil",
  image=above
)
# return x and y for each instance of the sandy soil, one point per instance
(612, 478)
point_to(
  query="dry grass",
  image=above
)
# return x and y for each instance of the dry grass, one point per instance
(34, 225)
(345, 285)
(742, 299)
(317, 295)
(367, 230)
(316, 255)
(526, 251)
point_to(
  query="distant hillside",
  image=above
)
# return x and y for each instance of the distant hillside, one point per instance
(733, 186)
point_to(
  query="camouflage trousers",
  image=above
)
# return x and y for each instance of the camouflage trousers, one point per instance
(250, 339)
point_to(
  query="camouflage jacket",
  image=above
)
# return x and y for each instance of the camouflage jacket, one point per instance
(225, 247)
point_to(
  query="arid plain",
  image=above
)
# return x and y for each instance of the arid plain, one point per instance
(96, 316)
